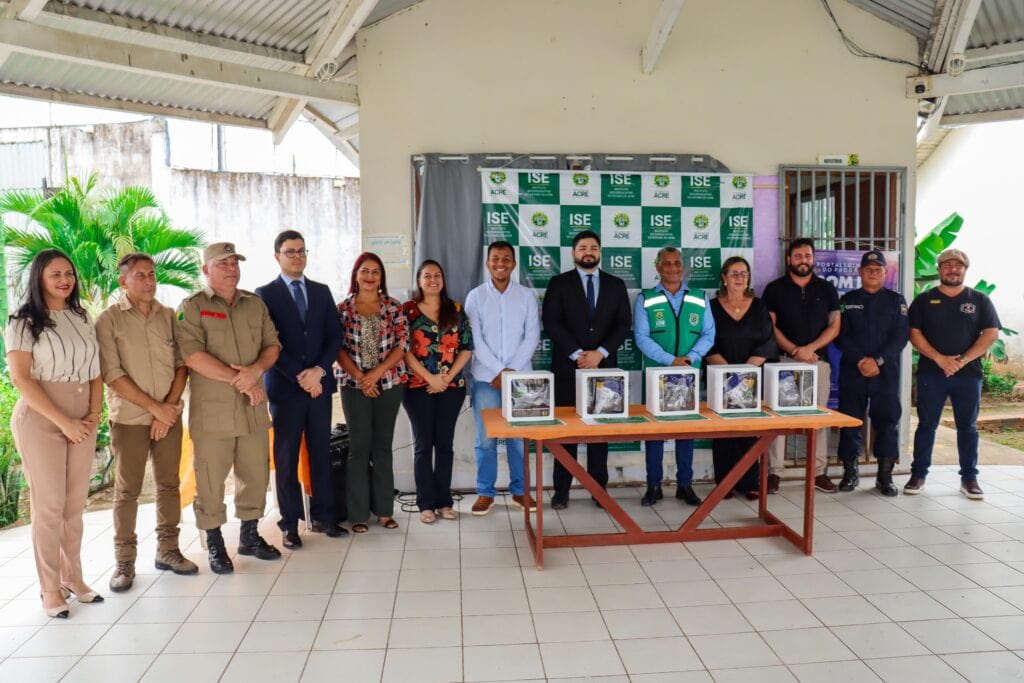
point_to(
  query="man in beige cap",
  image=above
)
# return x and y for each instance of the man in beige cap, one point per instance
(228, 341)
(952, 327)
(146, 378)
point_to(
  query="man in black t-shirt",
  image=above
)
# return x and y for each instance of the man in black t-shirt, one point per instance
(952, 327)
(805, 310)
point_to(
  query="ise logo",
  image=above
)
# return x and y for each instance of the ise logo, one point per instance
(739, 182)
(497, 177)
(580, 179)
(621, 220)
(540, 219)
(661, 180)
(700, 221)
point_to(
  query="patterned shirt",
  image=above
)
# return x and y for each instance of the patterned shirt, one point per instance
(66, 352)
(437, 349)
(394, 334)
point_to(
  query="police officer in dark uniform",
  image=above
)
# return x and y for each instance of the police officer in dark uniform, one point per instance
(874, 331)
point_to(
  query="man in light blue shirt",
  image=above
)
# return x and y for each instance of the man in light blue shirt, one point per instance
(672, 325)
(506, 329)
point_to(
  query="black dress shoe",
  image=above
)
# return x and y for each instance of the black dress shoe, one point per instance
(651, 496)
(291, 540)
(686, 494)
(330, 530)
(559, 502)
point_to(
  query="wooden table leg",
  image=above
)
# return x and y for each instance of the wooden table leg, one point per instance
(808, 540)
(538, 549)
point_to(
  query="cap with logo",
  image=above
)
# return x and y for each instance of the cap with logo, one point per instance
(872, 257)
(220, 250)
(953, 255)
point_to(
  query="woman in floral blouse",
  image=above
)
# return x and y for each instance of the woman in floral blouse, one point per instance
(372, 381)
(441, 344)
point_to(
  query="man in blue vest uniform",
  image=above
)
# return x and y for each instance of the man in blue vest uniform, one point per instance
(672, 326)
(872, 336)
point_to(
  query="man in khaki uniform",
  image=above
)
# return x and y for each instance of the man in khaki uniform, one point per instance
(140, 363)
(228, 341)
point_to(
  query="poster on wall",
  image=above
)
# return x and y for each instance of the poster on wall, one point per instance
(710, 217)
(841, 269)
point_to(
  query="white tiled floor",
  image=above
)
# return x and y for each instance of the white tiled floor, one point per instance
(927, 588)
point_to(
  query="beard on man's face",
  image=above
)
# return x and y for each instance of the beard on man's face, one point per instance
(801, 269)
(586, 261)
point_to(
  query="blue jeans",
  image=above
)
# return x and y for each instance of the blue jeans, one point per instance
(655, 451)
(964, 392)
(483, 396)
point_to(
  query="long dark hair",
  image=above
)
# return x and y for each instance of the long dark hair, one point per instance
(447, 315)
(729, 263)
(34, 310)
(360, 260)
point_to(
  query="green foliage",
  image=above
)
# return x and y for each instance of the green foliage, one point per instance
(926, 274)
(995, 383)
(96, 231)
(11, 478)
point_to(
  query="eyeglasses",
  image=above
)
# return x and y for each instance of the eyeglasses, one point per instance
(292, 253)
(738, 273)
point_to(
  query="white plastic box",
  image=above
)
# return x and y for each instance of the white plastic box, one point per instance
(734, 388)
(528, 396)
(791, 386)
(673, 391)
(602, 392)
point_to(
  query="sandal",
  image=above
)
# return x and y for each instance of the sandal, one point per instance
(427, 517)
(388, 522)
(448, 513)
(360, 528)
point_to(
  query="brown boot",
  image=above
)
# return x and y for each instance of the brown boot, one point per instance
(176, 562)
(123, 576)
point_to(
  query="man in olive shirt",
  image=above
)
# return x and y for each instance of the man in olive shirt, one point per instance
(228, 341)
(140, 363)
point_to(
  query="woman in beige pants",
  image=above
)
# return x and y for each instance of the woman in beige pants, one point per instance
(54, 363)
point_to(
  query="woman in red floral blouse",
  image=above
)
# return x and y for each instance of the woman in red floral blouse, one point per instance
(441, 344)
(372, 380)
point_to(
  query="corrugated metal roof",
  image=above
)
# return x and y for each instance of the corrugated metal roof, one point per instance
(77, 78)
(995, 100)
(385, 8)
(913, 16)
(284, 24)
(998, 22)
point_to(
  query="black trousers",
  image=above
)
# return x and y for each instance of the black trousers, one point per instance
(597, 453)
(879, 397)
(292, 419)
(433, 418)
(725, 453)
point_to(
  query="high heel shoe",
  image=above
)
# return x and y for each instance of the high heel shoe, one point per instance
(59, 612)
(91, 596)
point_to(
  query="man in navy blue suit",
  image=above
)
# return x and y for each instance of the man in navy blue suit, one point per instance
(300, 386)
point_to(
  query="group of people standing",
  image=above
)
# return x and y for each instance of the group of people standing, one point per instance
(277, 355)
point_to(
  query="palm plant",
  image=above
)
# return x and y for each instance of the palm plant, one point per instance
(96, 231)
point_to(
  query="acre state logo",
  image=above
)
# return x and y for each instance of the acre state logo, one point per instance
(580, 179)
(739, 182)
(661, 180)
(701, 221)
(539, 219)
(621, 220)
(497, 177)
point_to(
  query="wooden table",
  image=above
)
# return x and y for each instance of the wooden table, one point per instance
(575, 431)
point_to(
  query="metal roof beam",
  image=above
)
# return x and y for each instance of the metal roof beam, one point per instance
(118, 27)
(333, 37)
(957, 120)
(29, 92)
(78, 49)
(975, 80)
(663, 24)
(985, 54)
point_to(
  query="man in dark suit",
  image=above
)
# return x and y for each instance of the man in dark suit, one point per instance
(586, 314)
(300, 386)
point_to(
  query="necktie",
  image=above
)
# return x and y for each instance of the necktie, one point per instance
(591, 299)
(300, 299)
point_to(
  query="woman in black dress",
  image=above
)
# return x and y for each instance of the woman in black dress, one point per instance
(743, 334)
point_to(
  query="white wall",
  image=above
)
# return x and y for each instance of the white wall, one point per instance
(753, 83)
(976, 172)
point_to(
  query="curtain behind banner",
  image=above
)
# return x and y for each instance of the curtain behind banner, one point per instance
(448, 223)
